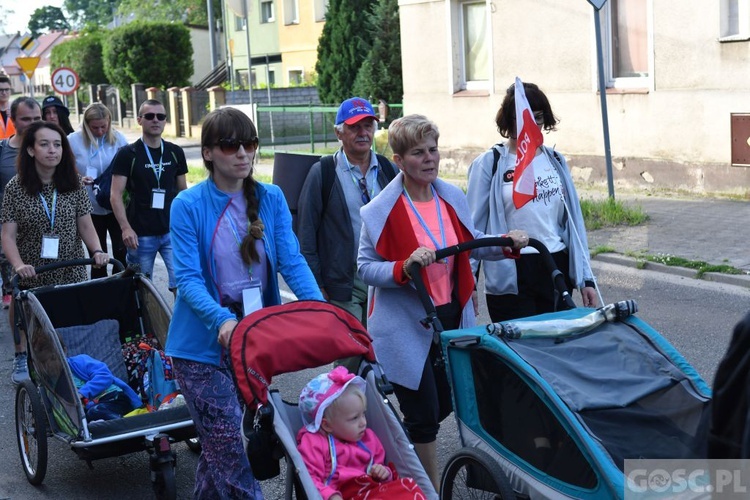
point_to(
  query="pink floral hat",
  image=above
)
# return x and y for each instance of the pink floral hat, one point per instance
(323, 390)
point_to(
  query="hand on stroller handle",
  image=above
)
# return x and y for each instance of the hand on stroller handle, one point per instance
(413, 271)
(117, 266)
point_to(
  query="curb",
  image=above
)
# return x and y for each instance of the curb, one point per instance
(741, 280)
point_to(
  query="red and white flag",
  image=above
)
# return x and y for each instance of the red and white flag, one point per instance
(528, 139)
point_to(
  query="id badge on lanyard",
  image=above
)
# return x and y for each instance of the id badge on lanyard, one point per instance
(158, 197)
(50, 242)
(50, 246)
(252, 299)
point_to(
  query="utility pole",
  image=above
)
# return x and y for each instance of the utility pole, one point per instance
(211, 33)
(598, 4)
(249, 57)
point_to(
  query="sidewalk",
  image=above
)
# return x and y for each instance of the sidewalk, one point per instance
(698, 229)
(695, 229)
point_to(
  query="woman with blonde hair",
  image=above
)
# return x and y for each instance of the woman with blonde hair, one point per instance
(94, 147)
(413, 217)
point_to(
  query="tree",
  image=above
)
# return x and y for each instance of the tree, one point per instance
(193, 12)
(341, 49)
(157, 54)
(46, 19)
(380, 76)
(92, 13)
(4, 13)
(84, 55)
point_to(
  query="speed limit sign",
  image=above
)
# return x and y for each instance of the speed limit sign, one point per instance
(65, 81)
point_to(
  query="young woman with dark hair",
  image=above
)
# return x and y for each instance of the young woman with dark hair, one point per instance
(231, 236)
(45, 216)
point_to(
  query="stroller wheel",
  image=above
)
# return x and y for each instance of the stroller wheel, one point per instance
(31, 432)
(165, 482)
(471, 473)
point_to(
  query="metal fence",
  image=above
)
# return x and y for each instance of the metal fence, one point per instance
(198, 106)
(304, 124)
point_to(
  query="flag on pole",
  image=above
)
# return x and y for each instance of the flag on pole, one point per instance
(528, 139)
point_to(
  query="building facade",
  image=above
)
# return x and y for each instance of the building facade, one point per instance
(676, 74)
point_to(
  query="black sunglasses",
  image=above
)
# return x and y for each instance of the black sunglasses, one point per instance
(150, 116)
(362, 183)
(231, 146)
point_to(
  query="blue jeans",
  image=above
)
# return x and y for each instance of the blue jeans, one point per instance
(145, 255)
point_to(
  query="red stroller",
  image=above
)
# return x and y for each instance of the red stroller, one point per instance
(296, 336)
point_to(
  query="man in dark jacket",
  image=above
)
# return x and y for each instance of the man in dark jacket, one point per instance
(334, 191)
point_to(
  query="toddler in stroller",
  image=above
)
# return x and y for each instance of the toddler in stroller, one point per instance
(344, 458)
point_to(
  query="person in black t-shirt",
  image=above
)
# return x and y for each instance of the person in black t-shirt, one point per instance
(152, 171)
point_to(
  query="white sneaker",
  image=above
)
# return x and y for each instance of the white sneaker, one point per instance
(20, 369)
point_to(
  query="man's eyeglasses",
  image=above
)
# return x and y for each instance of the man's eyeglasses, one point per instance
(5, 90)
(150, 116)
(231, 146)
(362, 183)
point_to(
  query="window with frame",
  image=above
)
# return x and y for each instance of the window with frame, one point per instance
(291, 12)
(471, 56)
(295, 76)
(271, 75)
(240, 23)
(320, 8)
(626, 38)
(266, 11)
(734, 20)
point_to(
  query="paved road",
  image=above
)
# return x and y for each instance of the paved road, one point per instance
(696, 316)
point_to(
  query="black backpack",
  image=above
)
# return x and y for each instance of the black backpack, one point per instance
(729, 431)
(328, 174)
(496, 157)
(102, 186)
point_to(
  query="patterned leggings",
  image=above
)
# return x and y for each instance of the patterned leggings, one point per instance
(223, 468)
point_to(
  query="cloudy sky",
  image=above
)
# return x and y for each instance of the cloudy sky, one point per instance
(23, 10)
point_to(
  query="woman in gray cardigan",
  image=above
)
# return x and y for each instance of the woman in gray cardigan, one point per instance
(412, 217)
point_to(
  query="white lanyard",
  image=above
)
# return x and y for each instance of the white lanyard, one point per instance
(157, 171)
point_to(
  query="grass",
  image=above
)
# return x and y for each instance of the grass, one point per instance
(700, 266)
(197, 173)
(602, 249)
(609, 212)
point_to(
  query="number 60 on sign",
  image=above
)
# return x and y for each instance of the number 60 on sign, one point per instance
(65, 81)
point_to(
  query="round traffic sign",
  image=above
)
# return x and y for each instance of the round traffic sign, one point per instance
(65, 81)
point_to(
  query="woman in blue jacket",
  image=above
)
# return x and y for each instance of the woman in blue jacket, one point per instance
(231, 235)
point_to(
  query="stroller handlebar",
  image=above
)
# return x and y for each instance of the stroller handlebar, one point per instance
(116, 265)
(502, 241)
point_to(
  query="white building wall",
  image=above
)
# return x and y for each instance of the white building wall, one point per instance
(684, 117)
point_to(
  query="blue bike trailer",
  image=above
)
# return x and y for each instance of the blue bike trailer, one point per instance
(562, 407)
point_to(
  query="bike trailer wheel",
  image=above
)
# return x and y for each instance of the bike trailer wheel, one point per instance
(472, 473)
(31, 431)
